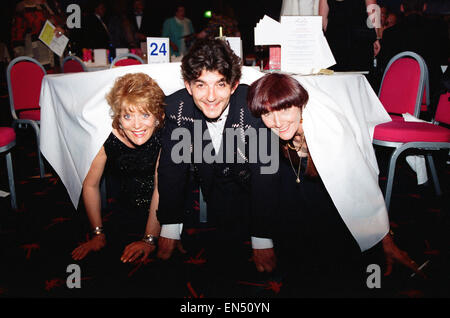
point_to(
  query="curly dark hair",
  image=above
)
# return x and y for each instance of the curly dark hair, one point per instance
(211, 55)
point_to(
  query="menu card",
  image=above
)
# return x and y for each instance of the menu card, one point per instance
(267, 32)
(304, 49)
(48, 37)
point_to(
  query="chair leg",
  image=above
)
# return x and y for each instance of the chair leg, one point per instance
(434, 174)
(390, 178)
(38, 144)
(12, 188)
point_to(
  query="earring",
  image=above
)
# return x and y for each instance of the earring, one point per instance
(157, 123)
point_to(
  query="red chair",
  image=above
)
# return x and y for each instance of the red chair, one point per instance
(403, 84)
(403, 92)
(126, 59)
(426, 94)
(7, 141)
(73, 64)
(24, 76)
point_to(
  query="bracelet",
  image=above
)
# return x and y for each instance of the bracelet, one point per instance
(97, 230)
(150, 239)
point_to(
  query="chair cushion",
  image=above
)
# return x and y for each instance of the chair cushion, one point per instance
(397, 131)
(31, 114)
(7, 135)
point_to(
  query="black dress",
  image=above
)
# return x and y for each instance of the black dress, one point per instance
(129, 176)
(132, 170)
(316, 251)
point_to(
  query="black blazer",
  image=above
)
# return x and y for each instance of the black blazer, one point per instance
(94, 35)
(235, 190)
(150, 24)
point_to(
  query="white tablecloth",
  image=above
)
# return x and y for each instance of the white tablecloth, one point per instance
(339, 121)
(75, 122)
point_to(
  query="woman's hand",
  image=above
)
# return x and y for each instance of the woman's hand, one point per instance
(137, 251)
(393, 254)
(94, 244)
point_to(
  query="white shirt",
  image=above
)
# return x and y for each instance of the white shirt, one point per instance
(215, 128)
(139, 21)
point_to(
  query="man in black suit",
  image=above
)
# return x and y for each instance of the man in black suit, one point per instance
(141, 24)
(95, 31)
(213, 104)
(424, 36)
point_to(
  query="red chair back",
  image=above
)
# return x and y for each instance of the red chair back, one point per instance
(24, 77)
(126, 59)
(443, 109)
(126, 62)
(72, 64)
(400, 86)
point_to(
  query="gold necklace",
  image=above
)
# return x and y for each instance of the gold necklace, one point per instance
(293, 147)
(299, 147)
(299, 167)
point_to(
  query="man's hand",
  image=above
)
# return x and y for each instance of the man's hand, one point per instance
(165, 247)
(265, 259)
(137, 251)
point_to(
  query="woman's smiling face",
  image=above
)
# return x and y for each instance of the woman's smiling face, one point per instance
(138, 126)
(285, 123)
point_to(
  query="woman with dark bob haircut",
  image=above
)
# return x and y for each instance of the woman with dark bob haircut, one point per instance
(315, 242)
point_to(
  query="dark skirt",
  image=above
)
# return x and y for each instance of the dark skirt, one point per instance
(315, 249)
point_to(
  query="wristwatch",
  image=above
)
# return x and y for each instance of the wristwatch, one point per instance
(150, 239)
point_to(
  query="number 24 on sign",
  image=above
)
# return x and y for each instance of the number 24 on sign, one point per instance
(158, 50)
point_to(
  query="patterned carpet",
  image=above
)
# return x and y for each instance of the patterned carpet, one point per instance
(37, 239)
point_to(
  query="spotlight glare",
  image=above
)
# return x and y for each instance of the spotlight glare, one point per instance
(207, 14)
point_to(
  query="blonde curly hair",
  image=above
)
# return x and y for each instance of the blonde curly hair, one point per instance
(136, 92)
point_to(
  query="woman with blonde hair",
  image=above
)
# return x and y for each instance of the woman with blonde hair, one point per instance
(130, 155)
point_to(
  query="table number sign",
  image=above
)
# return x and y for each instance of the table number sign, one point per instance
(158, 50)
